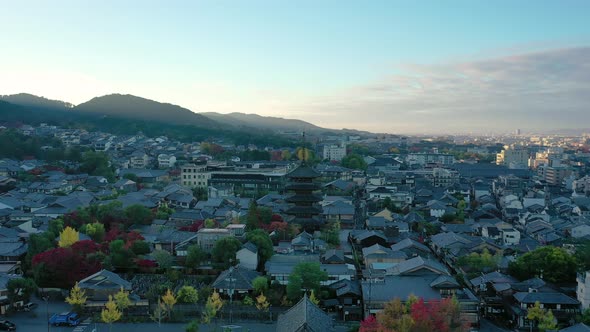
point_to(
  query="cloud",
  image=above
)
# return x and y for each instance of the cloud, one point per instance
(543, 90)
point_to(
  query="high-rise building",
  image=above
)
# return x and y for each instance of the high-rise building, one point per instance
(516, 157)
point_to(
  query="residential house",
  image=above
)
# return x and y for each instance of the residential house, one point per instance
(248, 256)
(138, 159)
(166, 160)
(235, 282)
(102, 284)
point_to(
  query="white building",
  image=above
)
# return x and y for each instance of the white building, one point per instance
(166, 160)
(583, 289)
(248, 256)
(334, 151)
(430, 158)
(514, 157)
(192, 175)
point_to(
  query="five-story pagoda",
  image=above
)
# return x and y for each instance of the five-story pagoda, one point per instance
(305, 208)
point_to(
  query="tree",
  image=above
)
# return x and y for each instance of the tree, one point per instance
(396, 316)
(262, 303)
(68, 237)
(354, 161)
(583, 255)
(77, 297)
(164, 259)
(212, 306)
(443, 315)
(122, 299)
(313, 298)
(96, 231)
(139, 214)
(545, 319)
(195, 256)
(306, 276)
(193, 326)
(224, 252)
(120, 256)
(260, 284)
(168, 300)
(140, 247)
(110, 313)
(38, 243)
(262, 240)
(187, 294)
(554, 264)
(159, 312)
(20, 289)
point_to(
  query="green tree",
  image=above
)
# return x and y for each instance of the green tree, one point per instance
(110, 313)
(354, 161)
(140, 247)
(305, 276)
(96, 231)
(223, 254)
(545, 319)
(555, 265)
(20, 289)
(98, 164)
(38, 243)
(139, 214)
(163, 258)
(260, 284)
(261, 239)
(119, 255)
(582, 255)
(195, 256)
(187, 294)
(193, 326)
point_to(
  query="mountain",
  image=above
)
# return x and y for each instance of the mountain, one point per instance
(242, 120)
(132, 107)
(36, 102)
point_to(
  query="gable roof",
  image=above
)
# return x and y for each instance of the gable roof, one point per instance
(304, 316)
(104, 279)
(242, 278)
(581, 327)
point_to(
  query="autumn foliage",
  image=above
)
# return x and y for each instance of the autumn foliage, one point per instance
(435, 315)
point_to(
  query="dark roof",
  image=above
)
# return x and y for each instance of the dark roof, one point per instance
(303, 171)
(250, 246)
(545, 298)
(581, 327)
(304, 316)
(104, 279)
(242, 278)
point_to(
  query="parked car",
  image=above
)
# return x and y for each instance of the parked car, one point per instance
(7, 326)
(30, 306)
(65, 319)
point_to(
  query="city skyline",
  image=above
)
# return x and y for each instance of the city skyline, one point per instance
(384, 67)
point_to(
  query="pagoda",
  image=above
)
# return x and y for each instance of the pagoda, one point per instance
(305, 208)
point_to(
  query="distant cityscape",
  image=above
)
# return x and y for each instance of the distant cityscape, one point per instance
(491, 230)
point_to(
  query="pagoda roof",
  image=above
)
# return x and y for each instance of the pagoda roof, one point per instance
(304, 198)
(304, 209)
(304, 171)
(302, 186)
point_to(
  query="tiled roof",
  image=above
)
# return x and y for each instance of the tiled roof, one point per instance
(304, 316)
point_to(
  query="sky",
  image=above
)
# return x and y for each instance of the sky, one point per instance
(383, 66)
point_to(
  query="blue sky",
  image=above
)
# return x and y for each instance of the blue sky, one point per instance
(315, 60)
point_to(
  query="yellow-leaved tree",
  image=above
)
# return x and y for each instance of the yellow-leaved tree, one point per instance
(122, 299)
(213, 305)
(262, 303)
(67, 237)
(313, 298)
(168, 301)
(77, 297)
(110, 313)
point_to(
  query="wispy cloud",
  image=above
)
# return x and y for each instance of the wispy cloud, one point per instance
(542, 90)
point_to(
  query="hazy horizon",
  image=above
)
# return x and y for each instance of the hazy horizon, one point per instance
(389, 67)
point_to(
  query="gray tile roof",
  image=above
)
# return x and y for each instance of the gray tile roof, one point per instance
(581, 327)
(104, 279)
(304, 316)
(242, 279)
(545, 298)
